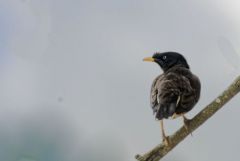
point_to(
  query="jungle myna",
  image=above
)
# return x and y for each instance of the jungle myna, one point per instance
(176, 91)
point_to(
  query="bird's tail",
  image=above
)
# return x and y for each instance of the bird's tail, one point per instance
(164, 111)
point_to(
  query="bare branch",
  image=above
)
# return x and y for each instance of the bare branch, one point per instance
(161, 150)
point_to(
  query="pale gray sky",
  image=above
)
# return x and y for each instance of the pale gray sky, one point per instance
(74, 87)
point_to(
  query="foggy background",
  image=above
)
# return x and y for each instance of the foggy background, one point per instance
(74, 87)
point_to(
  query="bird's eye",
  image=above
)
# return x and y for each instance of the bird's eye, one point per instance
(164, 57)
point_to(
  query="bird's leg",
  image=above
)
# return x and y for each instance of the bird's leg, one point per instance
(185, 122)
(164, 137)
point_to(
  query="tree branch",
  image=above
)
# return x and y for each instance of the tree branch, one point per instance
(161, 150)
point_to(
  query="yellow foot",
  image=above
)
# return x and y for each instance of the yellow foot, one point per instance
(166, 141)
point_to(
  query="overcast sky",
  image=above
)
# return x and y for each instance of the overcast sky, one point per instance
(74, 87)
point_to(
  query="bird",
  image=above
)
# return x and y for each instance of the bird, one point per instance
(174, 92)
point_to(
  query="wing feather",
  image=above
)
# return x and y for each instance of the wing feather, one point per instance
(165, 92)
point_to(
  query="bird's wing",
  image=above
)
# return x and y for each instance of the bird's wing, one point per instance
(191, 93)
(154, 93)
(168, 92)
(169, 89)
(185, 91)
(164, 96)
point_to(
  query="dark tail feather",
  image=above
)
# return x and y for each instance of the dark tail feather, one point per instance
(165, 111)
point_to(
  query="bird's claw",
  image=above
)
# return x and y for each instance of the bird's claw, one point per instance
(166, 141)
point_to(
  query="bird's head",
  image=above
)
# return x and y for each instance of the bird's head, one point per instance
(168, 60)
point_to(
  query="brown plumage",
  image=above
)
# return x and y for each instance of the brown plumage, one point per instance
(176, 91)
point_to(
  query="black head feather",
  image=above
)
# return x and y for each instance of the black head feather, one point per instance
(168, 60)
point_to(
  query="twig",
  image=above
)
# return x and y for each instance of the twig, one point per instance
(161, 150)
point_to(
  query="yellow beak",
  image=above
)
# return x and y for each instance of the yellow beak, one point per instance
(148, 59)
